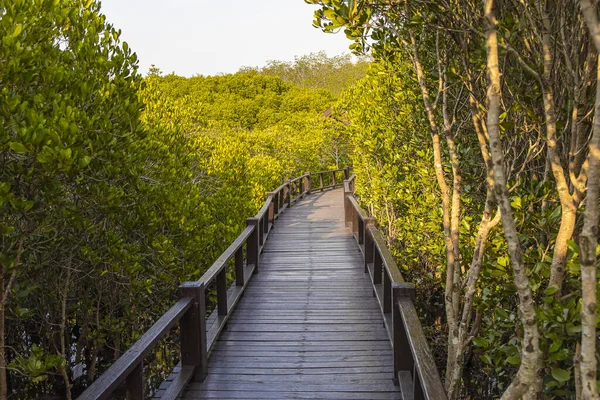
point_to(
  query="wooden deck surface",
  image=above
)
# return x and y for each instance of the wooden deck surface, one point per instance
(308, 325)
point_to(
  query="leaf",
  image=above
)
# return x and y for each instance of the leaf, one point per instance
(17, 31)
(573, 246)
(18, 148)
(561, 375)
(84, 161)
(555, 346)
(550, 290)
(45, 155)
(514, 360)
(506, 125)
(486, 359)
(516, 202)
(480, 342)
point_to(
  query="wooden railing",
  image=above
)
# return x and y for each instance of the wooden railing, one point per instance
(198, 334)
(414, 367)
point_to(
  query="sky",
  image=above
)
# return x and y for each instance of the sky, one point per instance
(209, 37)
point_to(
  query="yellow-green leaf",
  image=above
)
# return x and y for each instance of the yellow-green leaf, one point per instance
(18, 148)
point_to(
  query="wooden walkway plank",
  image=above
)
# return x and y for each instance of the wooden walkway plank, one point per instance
(308, 326)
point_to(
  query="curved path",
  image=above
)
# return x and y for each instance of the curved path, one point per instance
(308, 325)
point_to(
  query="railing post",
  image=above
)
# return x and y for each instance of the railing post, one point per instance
(377, 268)
(403, 360)
(279, 201)
(347, 205)
(274, 209)
(239, 267)
(265, 222)
(333, 178)
(307, 189)
(193, 330)
(361, 231)
(222, 291)
(135, 383)
(369, 221)
(261, 233)
(346, 173)
(253, 244)
(354, 221)
(321, 180)
(288, 194)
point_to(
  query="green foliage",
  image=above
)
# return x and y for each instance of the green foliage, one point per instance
(114, 189)
(396, 181)
(317, 71)
(387, 129)
(449, 40)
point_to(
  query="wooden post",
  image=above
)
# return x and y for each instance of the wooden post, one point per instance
(288, 194)
(387, 292)
(346, 173)
(253, 244)
(347, 205)
(274, 209)
(307, 183)
(377, 268)
(333, 178)
(135, 383)
(265, 222)
(222, 291)
(321, 181)
(354, 220)
(280, 198)
(369, 244)
(193, 330)
(261, 233)
(361, 231)
(239, 267)
(403, 360)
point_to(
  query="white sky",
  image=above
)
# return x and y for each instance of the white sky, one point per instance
(207, 37)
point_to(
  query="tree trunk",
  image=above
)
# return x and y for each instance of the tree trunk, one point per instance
(464, 337)
(446, 207)
(588, 242)
(588, 239)
(4, 293)
(530, 351)
(3, 382)
(63, 325)
(568, 207)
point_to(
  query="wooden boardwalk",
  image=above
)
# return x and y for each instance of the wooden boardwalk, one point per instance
(301, 319)
(308, 326)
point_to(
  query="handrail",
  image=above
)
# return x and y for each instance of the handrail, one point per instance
(221, 262)
(414, 366)
(196, 336)
(387, 259)
(130, 363)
